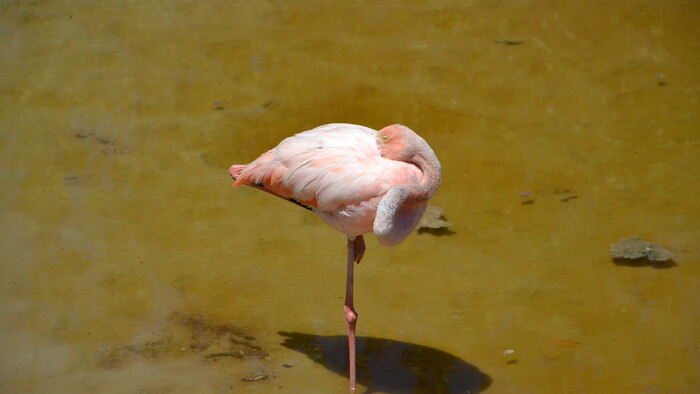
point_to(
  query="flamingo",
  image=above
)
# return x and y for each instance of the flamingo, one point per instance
(357, 180)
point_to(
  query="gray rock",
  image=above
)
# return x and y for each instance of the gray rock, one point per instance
(637, 248)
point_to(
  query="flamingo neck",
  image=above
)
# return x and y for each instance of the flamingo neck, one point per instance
(426, 160)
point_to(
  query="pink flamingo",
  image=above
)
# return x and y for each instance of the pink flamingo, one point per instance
(357, 180)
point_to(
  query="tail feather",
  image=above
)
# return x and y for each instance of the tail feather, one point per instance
(236, 170)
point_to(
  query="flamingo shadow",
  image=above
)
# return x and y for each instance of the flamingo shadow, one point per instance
(388, 366)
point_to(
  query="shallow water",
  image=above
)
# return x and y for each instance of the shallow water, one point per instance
(130, 265)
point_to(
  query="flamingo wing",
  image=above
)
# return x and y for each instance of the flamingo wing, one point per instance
(328, 168)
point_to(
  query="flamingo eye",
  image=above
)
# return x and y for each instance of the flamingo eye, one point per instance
(385, 138)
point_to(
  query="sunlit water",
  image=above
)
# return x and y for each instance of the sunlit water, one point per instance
(130, 264)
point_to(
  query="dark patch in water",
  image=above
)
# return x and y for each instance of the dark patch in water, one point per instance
(567, 199)
(106, 145)
(188, 335)
(388, 366)
(644, 262)
(509, 41)
(436, 231)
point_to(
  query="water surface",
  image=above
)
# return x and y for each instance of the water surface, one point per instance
(131, 265)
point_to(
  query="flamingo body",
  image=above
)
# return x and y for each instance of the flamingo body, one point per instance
(338, 171)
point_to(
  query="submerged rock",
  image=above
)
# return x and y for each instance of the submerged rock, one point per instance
(433, 219)
(636, 248)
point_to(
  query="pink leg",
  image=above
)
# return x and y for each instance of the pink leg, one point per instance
(356, 249)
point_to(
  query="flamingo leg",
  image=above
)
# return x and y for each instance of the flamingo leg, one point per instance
(356, 249)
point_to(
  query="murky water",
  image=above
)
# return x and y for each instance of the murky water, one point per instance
(130, 265)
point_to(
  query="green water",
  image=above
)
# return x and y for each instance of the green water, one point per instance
(130, 264)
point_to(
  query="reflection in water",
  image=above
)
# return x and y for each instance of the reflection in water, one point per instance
(385, 365)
